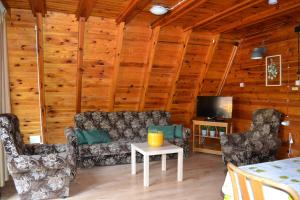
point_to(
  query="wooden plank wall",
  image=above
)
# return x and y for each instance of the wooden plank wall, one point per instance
(60, 49)
(23, 71)
(98, 62)
(256, 95)
(133, 62)
(193, 64)
(217, 67)
(165, 62)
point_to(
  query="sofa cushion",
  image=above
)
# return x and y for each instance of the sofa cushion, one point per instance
(167, 130)
(95, 136)
(112, 148)
(178, 131)
(80, 137)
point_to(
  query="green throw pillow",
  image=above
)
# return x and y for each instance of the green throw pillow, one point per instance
(178, 130)
(80, 137)
(167, 130)
(95, 136)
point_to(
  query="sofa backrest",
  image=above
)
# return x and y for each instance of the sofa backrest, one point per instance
(122, 125)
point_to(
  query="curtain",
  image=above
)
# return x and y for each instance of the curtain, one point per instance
(4, 89)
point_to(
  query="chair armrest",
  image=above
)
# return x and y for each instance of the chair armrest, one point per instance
(72, 141)
(40, 163)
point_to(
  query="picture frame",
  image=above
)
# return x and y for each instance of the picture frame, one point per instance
(273, 70)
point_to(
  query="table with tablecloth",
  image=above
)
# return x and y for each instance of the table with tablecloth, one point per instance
(285, 171)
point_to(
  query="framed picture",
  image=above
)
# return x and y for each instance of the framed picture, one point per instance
(273, 70)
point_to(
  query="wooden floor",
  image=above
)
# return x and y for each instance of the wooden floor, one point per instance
(203, 178)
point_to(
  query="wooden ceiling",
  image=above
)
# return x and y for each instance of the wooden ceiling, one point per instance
(199, 15)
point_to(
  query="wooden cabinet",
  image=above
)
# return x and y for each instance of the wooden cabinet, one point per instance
(206, 135)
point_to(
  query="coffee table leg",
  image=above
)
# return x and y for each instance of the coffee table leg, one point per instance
(133, 160)
(163, 162)
(180, 166)
(146, 170)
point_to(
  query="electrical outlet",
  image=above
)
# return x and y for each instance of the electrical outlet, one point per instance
(34, 139)
(295, 88)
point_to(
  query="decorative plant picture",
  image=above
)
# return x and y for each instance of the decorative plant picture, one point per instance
(273, 70)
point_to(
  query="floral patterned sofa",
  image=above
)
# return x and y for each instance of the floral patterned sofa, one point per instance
(39, 171)
(124, 128)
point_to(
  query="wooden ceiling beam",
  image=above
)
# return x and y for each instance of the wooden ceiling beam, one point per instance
(133, 8)
(262, 16)
(85, 8)
(179, 11)
(6, 6)
(225, 13)
(38, 6)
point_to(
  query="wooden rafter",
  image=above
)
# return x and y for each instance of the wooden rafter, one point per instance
(227, 69)
(180, 64)
(182, 9)
(40, 71)
(225, 13)
(38, 6)
(81, 28)
(6, 6)
(262, 16)
(199, 83)
(119, 46)
(133, 8)
(150, 58)
(85, 8)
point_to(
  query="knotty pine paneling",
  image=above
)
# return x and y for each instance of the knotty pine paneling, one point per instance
(186, 85)
(165, 62)
(133, 62)
(256, 95)
(23, 71)
(60, 54)
(98, 63)
(216, 68)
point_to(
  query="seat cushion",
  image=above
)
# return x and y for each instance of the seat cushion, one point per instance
(116, 147)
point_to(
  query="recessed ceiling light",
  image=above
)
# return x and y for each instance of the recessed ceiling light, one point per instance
(272, 2)
(158, 10)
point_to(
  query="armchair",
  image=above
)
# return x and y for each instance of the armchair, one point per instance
(260, 144)
(39, 171)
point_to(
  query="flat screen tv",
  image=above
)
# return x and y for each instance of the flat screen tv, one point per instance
(215, 107)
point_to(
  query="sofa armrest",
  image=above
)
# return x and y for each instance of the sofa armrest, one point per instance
(72, 141)
(40, 163)
(37, 149)
(186, 134)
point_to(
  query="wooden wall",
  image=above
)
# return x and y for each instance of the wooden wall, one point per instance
(256, 95)
(23, 72)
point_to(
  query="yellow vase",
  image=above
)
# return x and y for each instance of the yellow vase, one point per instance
(155, 139)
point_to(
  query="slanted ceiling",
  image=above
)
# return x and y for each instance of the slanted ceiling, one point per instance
(114, 56)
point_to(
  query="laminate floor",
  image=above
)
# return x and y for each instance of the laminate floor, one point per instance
(203, 178)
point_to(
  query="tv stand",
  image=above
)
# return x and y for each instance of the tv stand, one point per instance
(209, 142)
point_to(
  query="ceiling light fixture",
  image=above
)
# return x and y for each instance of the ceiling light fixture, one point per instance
(161, 10)
(272, 2)
(158, 10)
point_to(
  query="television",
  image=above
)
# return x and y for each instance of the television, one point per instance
(214, 107)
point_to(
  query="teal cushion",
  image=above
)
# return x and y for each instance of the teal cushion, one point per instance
(80, 137)
(167, 130)
(95, 136)
(178, 130)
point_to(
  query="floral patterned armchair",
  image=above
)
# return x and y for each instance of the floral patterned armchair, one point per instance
(260, 144)
(39, 171)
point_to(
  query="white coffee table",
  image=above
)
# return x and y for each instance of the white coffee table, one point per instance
(147, 151)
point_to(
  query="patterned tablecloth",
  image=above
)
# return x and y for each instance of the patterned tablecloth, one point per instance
(284, 171)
